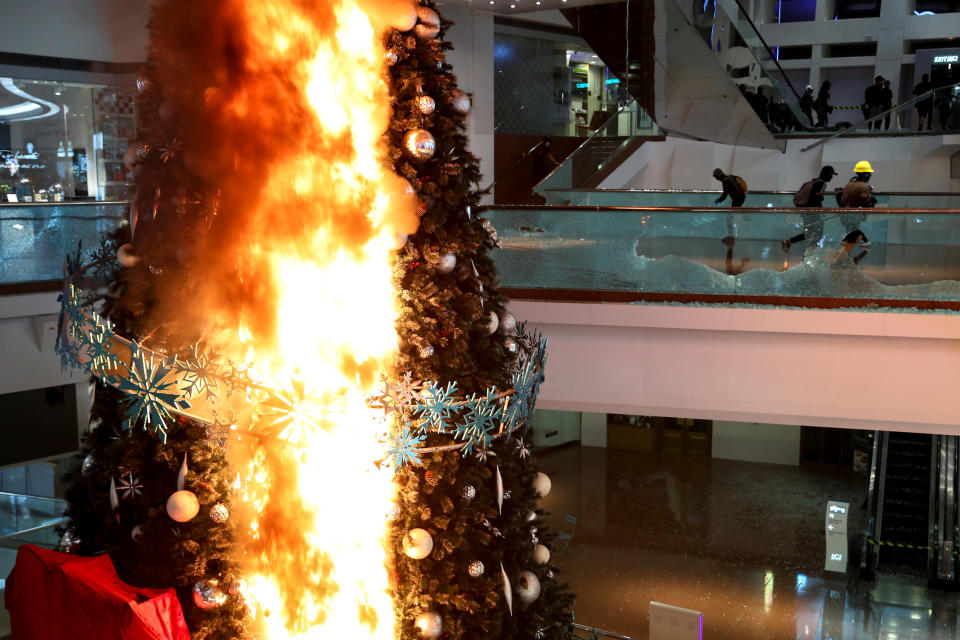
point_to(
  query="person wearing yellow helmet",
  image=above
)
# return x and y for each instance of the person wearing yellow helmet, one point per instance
(857, 194)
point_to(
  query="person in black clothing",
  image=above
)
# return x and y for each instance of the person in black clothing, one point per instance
(886, 95)
(925, 106)
(873, 102)
(810, 195)
(733, 186)
(822, 104)
(944, 101)
(806, 103)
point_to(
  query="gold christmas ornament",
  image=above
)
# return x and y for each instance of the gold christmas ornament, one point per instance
(542, 484)
(541, 555)
(183, 506)
(429, 624)
(425, 104)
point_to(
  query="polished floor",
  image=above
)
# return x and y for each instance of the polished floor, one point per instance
(741, 542)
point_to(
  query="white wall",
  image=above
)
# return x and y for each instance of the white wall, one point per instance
(24, 365)
(101, 30)
(900, 164)
(756, 442)
(472, 61)
(849, 369)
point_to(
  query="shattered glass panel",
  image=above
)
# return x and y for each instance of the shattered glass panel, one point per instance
(35, 238)
(853, 254)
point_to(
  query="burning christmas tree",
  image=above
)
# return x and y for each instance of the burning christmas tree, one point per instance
(312, 403)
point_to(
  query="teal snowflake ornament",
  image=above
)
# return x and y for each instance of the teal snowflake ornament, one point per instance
(98, 347)
(200, 373)
(480, 422)
(403, 448)
(151, 393)
(437, 407)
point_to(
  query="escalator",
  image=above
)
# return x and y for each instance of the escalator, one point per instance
(913, 506)
(697, 67)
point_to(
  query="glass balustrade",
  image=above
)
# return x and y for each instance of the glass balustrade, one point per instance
(770, 256)
(34, 238)
(29, 519)
(755, 199)
(614, 136)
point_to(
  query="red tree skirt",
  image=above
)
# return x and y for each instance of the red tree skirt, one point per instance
(56, 595)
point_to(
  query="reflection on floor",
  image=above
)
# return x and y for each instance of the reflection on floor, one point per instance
(741, 542)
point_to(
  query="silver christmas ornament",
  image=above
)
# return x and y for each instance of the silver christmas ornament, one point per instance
(390, 57)
(429, 624)
(427, 351)
(508, 322)
(426, 105)
(475, 569)
(468, 493)
(511, 346)
(550, 573)
(393, 513)
(207, 594)
(219, 513)
(419, 144)
(417, 544)
(492, 322)
(87, 463)
(428, 16)
(126, 256)
(459, 100)
(448, 262)
(137, 533)
(426, 32)
(68, 541)
(143, 81)
(507, 591)
(528, 587)
(531, 516)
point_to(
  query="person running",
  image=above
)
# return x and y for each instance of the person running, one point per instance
(810, 195)
(857, 194)
(925, 106)
(736, 188)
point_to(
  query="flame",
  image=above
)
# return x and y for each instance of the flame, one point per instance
(311, 499)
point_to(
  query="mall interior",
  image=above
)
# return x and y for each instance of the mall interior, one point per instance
(749, 412)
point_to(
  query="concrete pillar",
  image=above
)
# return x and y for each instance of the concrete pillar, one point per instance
(893, 16)
(593, 429)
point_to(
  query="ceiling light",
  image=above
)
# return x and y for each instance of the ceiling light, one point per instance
(17, 109)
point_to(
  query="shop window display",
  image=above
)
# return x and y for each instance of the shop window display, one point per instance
(63, 141)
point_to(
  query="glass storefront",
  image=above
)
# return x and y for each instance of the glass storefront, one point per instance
(551, 88)
(64, 141)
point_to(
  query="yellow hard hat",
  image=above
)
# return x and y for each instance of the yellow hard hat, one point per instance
(863, 167)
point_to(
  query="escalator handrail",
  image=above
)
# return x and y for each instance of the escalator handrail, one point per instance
(589, 139)
(763, 41)
(905, 103)
(519, 161)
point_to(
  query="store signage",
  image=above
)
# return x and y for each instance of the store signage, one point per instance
(582, 85)
(942, 59)
(613, 81)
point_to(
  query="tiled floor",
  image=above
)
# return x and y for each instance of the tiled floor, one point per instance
(741, 542)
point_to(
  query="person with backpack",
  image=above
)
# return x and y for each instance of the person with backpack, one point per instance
(736, 188)
(733, 186)
(810, 195)
(857, 194)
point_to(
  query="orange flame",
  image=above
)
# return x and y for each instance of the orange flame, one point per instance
(311, 498)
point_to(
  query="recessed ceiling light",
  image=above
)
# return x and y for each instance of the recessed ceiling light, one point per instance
(538, 3)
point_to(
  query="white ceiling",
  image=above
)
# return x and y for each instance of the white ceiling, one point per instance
(512, 7)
